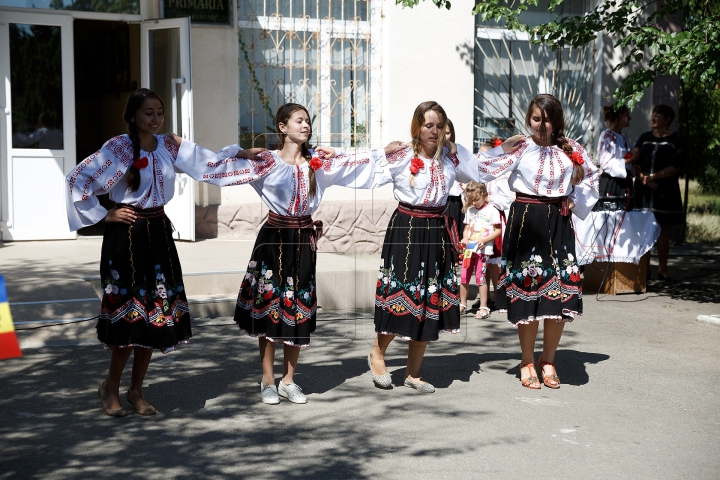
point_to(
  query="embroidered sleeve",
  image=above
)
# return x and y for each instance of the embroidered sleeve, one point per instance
(96, 175)
(222, 169)
(608, 153)
(466, 165)
(354, 170)
(586, 193)
(495, 162)
(391, 166)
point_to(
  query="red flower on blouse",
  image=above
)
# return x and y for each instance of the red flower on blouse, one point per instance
(527, 281)
(497, 142)
(415, 165)
(577, 158)
(628, 156)
(315, 163)
(434, 298)
(140, 163)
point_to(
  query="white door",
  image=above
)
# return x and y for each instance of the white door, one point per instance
(37, 124)
(165, 68)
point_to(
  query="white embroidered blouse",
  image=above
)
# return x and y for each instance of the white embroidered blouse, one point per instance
(540, 171)
(611, 152)
(284, 189)
(103, 171)
(433, 181)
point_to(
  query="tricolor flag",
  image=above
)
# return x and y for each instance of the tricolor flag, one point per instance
(9, 347)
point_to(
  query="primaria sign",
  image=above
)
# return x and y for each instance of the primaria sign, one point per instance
(199, 11)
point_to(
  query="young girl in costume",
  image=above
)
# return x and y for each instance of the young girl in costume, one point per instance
(482, 227)
(277, 301)
(144, 306)
(552, 176)
(417, 293)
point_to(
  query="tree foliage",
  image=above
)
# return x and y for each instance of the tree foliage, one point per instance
(693, 53)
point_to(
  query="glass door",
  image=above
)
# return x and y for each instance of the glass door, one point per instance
(37, 124)
(165, 68)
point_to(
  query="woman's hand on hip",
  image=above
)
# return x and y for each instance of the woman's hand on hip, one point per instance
(121, 215)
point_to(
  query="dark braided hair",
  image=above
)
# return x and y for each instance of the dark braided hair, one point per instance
(134, 102)
(551, 109)
(282, 116)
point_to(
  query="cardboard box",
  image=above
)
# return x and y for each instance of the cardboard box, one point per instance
(616, 278)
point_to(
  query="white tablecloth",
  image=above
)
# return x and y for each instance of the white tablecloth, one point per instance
(608, 237)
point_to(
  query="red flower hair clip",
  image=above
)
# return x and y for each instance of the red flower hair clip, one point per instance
(415, 165)
(497, 142)
(315, 163)
(577, 158)
(628, 156)
(140, 163)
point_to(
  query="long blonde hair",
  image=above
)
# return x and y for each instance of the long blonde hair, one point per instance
(416, 125)
(473, 191)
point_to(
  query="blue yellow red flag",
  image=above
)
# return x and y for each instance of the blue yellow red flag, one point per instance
(9, 347)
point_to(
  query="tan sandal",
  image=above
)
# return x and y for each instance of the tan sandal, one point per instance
(549, 378)
(113, 412)
(483, 312)
(142, 410)
(531, 382)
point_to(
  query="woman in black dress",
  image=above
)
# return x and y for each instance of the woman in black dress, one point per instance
(658, 155)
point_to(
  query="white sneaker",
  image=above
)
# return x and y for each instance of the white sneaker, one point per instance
(292, 392)
(269, 394)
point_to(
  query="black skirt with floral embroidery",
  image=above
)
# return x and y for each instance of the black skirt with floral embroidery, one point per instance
(540, 276)
(144, 302)
(417, 294)
(277, 297)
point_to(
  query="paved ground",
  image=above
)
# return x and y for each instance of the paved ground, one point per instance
(640, 399)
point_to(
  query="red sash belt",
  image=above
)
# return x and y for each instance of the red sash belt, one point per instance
(282, 221)
(154, 212)
(563, 203)
(435, 212)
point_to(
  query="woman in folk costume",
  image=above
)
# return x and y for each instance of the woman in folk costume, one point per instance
(552, 177)
(418, 293)
(277, 301)
(144, 305)
(455, 201)
(615, 158)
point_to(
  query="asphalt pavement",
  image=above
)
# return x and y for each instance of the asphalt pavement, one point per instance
(640, 398)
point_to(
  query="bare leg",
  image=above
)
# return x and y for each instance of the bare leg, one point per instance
(416, 351)
(267, 359)
(551, 339)
(493, 274)
(141, 361)
(663, 249)
(290, 359)
(463, 296)
(377, 354)
(111, 385)
(527, 335)
(483, 290)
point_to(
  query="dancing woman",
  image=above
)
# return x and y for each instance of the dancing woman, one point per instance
(144, 306)
(552, 176)
(277, 301)
(417, 293)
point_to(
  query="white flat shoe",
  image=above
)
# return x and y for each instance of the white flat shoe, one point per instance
(269, 394)
(292, 392)
(383, 381)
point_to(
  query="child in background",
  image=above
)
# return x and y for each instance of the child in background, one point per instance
(482, 226)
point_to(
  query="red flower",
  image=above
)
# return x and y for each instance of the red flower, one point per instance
(315, 163)
(140, 163)
(288, 302)
(628, 156)
(415, 165)
(577, 158)
(268, 295)
(539, 279)
(497, 142)
(379, 283)
(434, 299)
(574, 277)
(527, 281)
